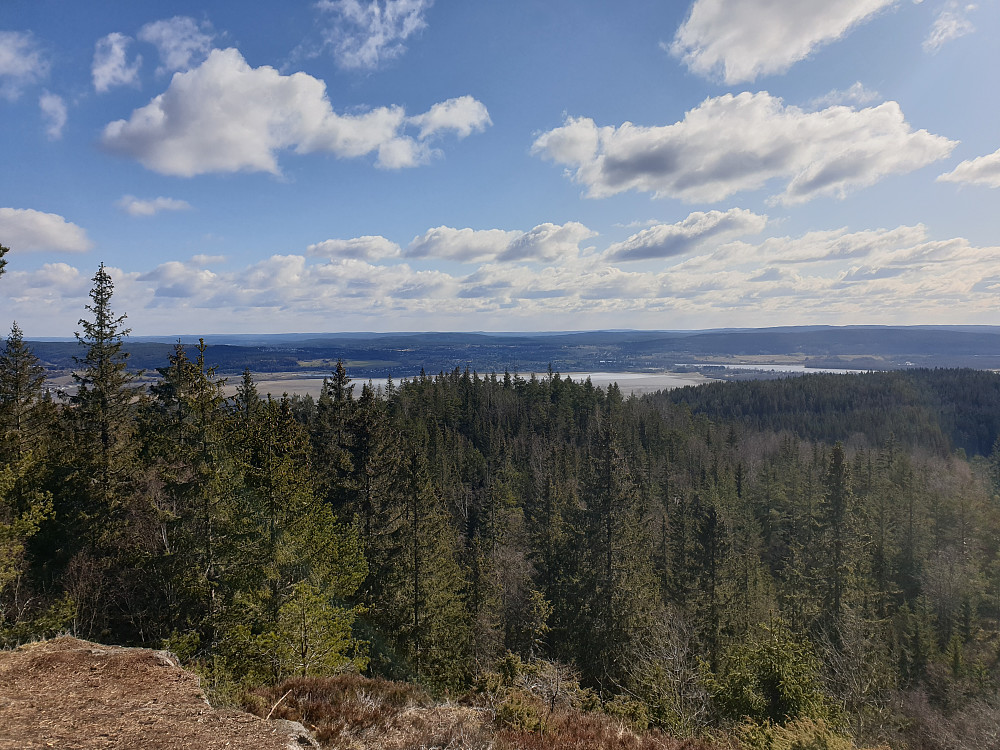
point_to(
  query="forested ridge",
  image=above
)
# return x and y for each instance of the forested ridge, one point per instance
(816, 555)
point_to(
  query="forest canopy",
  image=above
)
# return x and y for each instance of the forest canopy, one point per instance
(740, 555)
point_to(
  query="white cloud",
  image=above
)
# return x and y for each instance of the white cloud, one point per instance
(821, 246)
(463, 115)
(208, 260)
(951, 23)
(25, 230)
(984, 170)
(225, 116)
(111, 66)
(548, 243)
(21, 63)
(545, 243)
(744, 39)
(181, 41)
(698, 229)
(855, 95)
(136, 207)
(465, 245)
(731, 144)
(368, 247)
(364, 34)
(833, 276)
(54, 113)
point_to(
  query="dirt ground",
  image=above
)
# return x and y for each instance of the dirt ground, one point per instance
(74, 695)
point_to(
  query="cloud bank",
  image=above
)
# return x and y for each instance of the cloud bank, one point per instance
(832, 276)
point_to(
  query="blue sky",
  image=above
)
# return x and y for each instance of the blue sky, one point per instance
(348, 165)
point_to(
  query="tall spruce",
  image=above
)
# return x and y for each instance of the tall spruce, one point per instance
(21, 400)
(104, 414)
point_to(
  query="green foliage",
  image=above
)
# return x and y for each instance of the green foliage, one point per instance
(555, 545)
(22, 407)
(800, 734)
(774, 677)
(520, 711)
(23, 509)
(314, 636)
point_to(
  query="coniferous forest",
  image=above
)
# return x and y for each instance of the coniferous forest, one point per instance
(727, 560)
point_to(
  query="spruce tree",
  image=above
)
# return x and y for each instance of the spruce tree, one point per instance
(284, 553)
(21, 402)
(104, 413)
(331, 438)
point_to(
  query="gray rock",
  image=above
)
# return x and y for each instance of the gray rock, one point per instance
(298, 736)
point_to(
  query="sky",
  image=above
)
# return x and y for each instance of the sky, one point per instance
(421, 165)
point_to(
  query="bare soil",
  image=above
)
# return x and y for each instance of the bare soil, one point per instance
(75, 695)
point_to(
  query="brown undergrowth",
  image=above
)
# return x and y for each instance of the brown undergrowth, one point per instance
(349, 712)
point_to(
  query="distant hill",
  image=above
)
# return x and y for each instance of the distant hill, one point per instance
(405, 354)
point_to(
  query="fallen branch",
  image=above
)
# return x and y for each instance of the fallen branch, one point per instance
(275, 706)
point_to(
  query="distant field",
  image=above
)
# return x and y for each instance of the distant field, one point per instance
(629, 382)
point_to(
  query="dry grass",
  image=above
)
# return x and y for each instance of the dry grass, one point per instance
(349, 712)
(574, 730)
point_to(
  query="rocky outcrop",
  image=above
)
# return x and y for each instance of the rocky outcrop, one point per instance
(75, 695)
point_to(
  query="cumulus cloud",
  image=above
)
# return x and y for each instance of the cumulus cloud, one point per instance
(111, 66)
(731, 144)
(54, 113)
(898, 274)
(21, 63)
(951, 23)
(136, 207)
(698, 229)
(744, 39)
(548, 243)
(465, 245)
(26, 230)
(463, 115)
(181, 41)
(984, 170)
(369, 247)
(545, 243)
(225, 116)
(363, 34)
